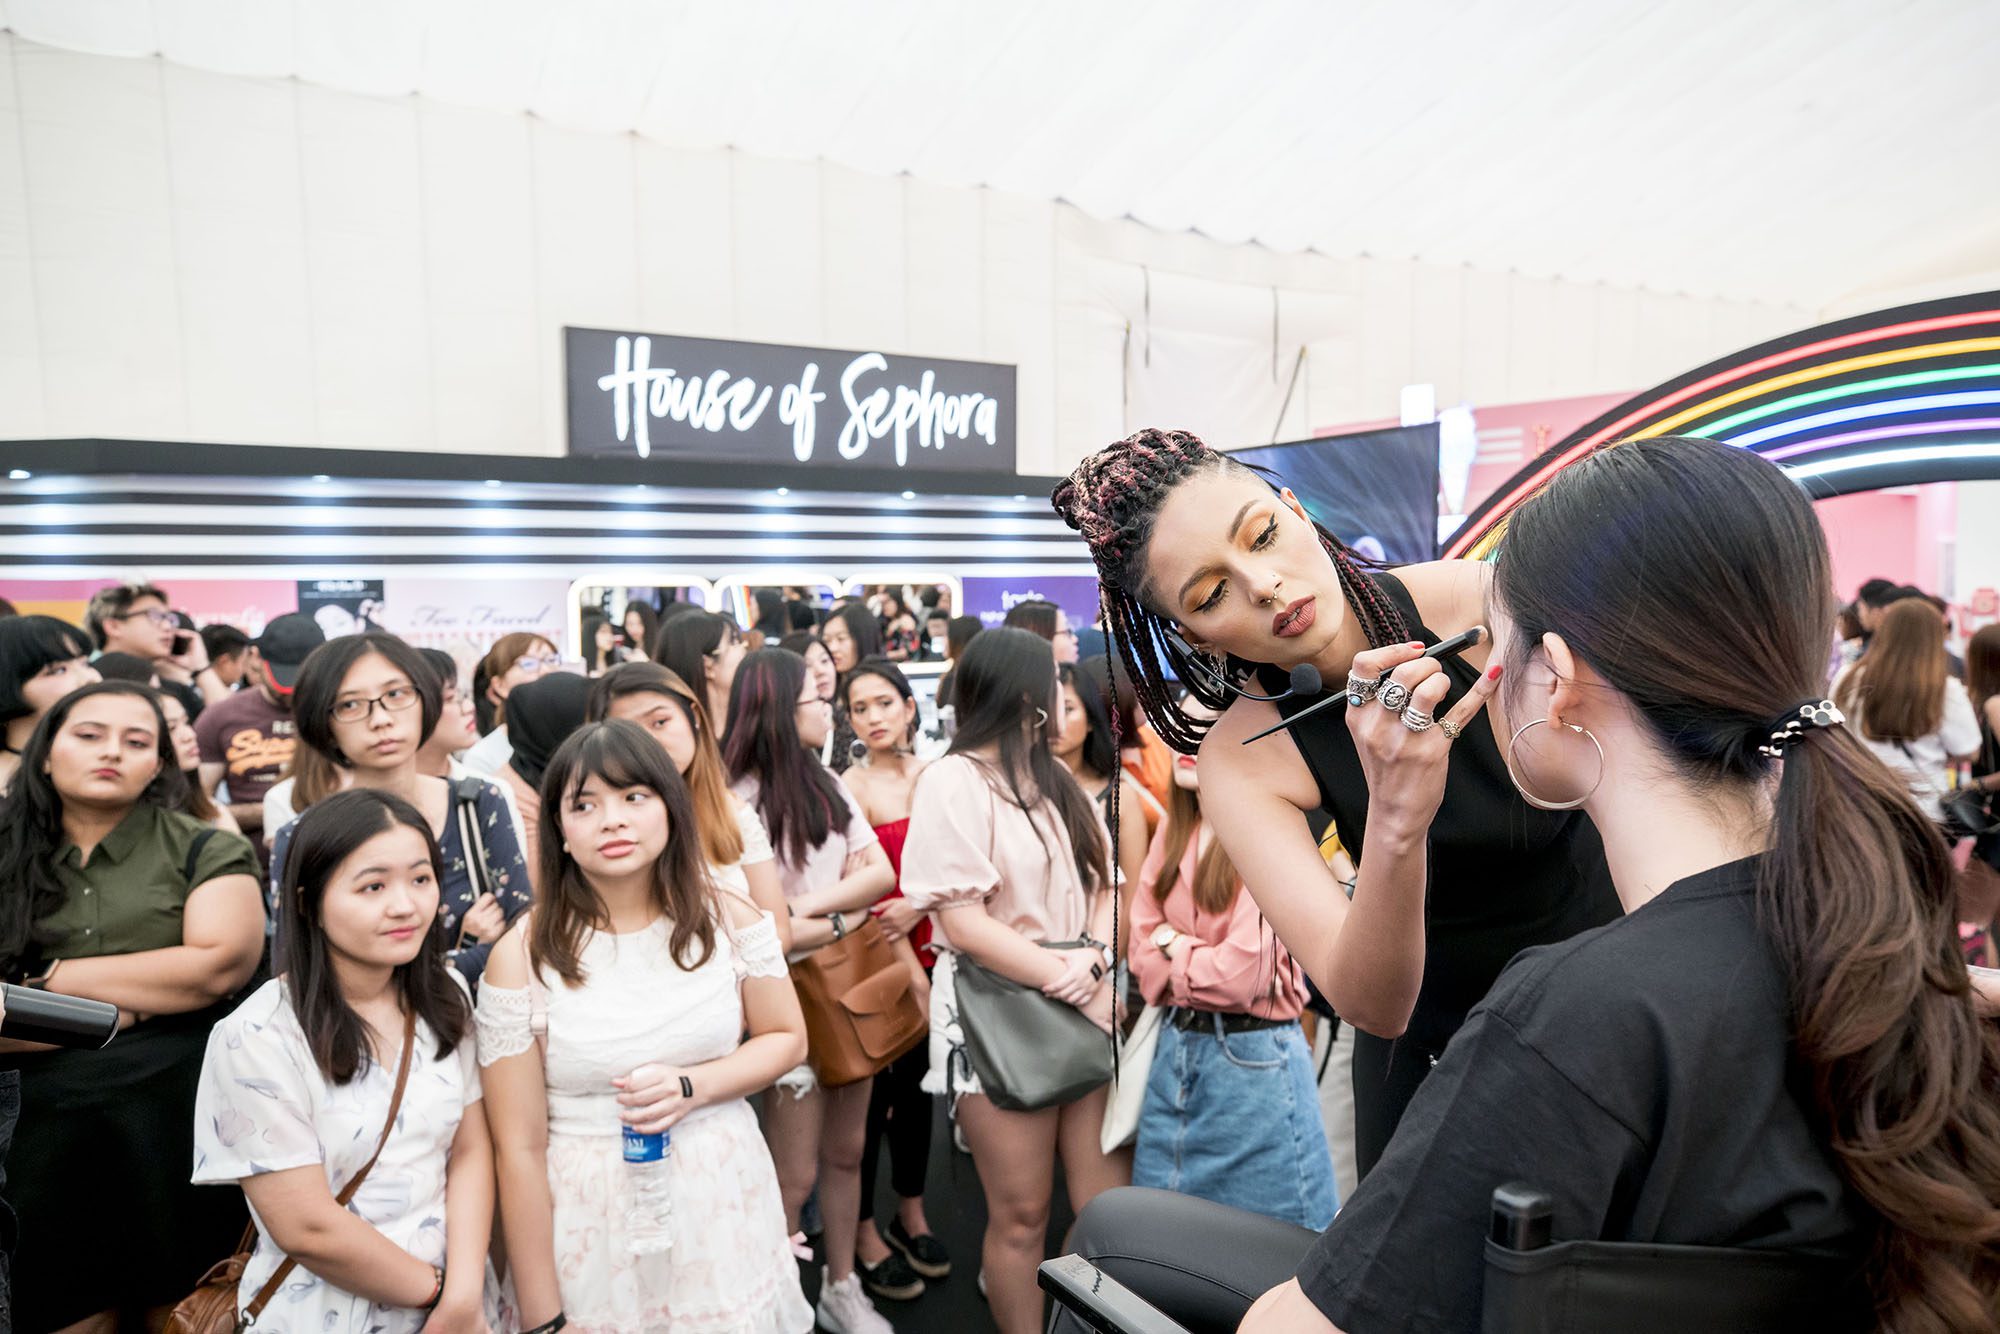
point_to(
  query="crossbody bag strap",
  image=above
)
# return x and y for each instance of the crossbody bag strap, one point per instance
(284, 1270)
(465, 810)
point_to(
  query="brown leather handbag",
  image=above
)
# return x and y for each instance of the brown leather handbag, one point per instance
(211, 1307)
(860, 1011)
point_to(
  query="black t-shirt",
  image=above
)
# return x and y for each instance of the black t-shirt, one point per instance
(1640, 1073)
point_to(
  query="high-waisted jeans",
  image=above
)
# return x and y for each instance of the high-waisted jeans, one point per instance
(1234, 1118)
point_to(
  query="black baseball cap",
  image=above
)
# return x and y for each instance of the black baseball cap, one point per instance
(284, 645)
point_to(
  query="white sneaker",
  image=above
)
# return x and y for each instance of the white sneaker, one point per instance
(845, 1309)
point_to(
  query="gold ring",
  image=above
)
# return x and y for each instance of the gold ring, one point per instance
(1449, 728)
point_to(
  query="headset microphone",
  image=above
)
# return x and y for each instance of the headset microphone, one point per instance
(1303, 679)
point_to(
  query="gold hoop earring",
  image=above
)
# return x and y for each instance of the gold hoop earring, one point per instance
(1514, 773)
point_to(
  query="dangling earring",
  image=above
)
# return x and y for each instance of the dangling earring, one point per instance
(1041, 718)
(1514, 772)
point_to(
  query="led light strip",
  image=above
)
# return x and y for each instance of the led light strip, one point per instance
(1754, 378)
(1859, 412)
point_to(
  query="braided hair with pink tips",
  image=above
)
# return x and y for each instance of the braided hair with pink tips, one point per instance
(1113, 499)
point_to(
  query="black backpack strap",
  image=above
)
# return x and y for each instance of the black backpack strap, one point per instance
(194, 854)
(465, 809)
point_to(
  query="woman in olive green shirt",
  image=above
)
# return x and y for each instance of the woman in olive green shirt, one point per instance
(112, 894)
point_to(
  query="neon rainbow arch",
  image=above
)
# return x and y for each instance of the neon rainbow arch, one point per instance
(1892, 398)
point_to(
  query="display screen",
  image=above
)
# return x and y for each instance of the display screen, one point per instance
(1377, 491)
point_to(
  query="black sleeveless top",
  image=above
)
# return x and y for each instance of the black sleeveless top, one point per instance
(1503, 875)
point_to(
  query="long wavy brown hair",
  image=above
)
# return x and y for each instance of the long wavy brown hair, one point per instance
(1896, 688)
(566, 906)
(1694, 578)
(1982, 668)
(707, 784)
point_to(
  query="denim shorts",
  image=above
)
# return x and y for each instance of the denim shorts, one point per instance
(1234, 1118)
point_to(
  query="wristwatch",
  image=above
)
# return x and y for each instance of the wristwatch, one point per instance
(1164, 935)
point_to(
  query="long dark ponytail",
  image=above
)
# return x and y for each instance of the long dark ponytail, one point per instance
(1694, 578)
(1113, 498)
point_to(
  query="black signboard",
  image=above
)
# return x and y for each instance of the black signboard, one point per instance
(653, 396)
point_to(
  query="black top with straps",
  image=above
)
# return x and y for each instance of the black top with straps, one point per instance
(1503, 877)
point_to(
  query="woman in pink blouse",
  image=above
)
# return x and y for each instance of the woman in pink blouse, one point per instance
(1009, 853)
(1232, 1109)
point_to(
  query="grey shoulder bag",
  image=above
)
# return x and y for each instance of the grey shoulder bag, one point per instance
(1029, 1051)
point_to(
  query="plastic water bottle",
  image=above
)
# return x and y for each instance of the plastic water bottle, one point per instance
(646, 1158)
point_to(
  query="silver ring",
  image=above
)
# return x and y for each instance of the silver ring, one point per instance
(1449, 728)
(1361, 689)
(1395, 696)
(1418, 720)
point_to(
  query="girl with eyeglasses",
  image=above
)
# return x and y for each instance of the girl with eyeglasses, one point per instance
(831, 866)
(704, 649)
(513, 660)
(366, 703)
(41, 660)
(1049, 621)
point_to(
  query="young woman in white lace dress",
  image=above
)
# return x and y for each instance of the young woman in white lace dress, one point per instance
(642, 978)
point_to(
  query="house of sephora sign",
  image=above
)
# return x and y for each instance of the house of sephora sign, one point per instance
(652, 396)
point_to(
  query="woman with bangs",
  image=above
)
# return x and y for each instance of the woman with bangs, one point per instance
(298, 1086)
(738, 849)
(41, 660)
(637, 995)
(366, 704)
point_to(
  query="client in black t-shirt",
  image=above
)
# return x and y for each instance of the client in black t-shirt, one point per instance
(1777, 1047)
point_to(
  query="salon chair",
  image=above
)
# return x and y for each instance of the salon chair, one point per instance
(1153, 1262)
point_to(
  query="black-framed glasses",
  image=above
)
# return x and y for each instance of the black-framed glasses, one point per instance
(393, 700)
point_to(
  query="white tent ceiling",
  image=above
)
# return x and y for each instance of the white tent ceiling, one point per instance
(1790, 150)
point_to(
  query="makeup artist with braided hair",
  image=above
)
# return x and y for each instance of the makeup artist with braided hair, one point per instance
(1214, 577)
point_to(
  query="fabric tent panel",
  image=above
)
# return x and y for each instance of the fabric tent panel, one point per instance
(948, 264)
(778, 253)
(687, 241)
(864, 272)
